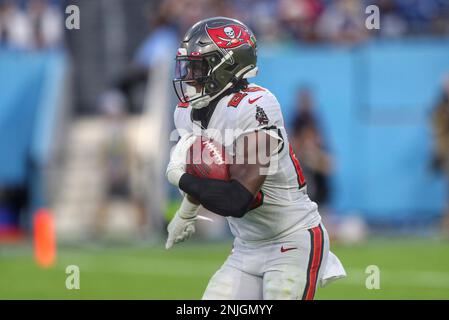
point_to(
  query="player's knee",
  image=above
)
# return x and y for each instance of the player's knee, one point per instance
(282, 287)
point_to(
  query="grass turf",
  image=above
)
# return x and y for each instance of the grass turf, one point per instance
(409, 269)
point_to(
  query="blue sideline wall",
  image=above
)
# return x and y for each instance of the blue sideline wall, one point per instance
(31, 85)
(374, 102)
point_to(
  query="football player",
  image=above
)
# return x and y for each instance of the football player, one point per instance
(280, 244)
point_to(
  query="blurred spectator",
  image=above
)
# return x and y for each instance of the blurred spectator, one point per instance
(440, 23)
(298, 18)
(46, 22)
(343, 21)
(440, 124)
(163, 40)
(420, 15)
(308, 143)
(15, 28)
(392, 23)
(260, 19)
(39, 27)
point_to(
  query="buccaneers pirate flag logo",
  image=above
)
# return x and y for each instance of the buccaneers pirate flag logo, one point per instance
(231, 36)
(261, 116)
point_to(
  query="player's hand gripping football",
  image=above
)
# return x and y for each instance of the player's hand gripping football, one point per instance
(177, 165)
(182, 225)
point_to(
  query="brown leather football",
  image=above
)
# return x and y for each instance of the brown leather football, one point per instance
(207, 159)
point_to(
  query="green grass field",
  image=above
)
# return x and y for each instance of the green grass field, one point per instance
(410, 269)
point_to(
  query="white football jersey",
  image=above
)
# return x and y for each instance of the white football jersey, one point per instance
(282, 205)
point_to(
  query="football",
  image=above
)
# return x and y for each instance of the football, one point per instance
(208, 159)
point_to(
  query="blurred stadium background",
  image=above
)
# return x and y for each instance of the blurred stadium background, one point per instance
(86, 116)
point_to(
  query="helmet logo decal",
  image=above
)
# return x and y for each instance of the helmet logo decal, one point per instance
(231, 36)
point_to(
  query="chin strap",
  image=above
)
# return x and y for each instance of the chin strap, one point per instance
(204, 101)
(248, 72)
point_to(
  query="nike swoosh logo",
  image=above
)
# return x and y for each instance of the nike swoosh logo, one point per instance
(251, 101)
(287, 249)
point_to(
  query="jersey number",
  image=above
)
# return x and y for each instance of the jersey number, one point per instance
(239, 96)
(236, 99)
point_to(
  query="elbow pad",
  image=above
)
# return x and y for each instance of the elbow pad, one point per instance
(225, 198)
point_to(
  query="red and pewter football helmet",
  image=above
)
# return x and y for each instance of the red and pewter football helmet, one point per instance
(214, 55)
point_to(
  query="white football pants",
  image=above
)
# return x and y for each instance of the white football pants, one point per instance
(284, 269)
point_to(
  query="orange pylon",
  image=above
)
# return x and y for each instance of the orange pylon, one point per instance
(44, 239)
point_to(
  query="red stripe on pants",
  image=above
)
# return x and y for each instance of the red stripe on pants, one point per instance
(314, 264)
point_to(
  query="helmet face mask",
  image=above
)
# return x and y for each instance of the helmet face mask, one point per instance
(193, 78)
(214, 55)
